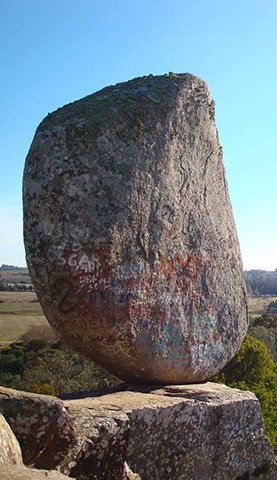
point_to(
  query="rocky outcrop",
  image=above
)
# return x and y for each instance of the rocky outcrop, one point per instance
(10, 453)
(23, 473)
(11, 464)
(128, 474)
(129, 231)
(42, 426)
(72, 440)
(192, 432)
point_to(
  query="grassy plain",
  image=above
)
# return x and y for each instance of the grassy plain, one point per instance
(19, 313)
(258, 305)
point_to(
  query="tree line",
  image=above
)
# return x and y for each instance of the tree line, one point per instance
(261, 282)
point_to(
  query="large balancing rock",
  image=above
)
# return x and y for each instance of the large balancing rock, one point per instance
(129, 231)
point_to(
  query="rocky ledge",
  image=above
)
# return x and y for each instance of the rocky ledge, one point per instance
(11, 464)
(191, 432)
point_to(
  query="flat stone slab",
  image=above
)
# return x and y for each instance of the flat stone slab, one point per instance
(200, 432)
(129, 231)
(192, 432)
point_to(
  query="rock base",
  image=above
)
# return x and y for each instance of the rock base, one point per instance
(191, 432)
(11, 464)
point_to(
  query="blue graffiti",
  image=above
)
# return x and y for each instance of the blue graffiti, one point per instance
(177, 347)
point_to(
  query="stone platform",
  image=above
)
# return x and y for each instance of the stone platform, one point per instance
(187, 432)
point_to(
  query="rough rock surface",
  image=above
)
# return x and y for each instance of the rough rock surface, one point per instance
(23, 473)
(192, 432)
(10, 453)
(11, 463)
(129, 231)
(128, 474)
(42, 426)
(74, 441)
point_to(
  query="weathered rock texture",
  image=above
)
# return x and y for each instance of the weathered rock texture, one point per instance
(23, 473)
(129, 231)
(74, 441)
(11, 463)
(192, 432)
(10, 453)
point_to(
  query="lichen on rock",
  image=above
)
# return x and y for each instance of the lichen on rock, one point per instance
(130, 432)
(129, 231)
(10, 453)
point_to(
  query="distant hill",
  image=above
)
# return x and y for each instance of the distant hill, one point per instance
(10, 267)
(261, 282)
(10, 275)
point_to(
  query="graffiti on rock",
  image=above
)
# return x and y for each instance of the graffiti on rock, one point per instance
(88, 271)
(131, 294)
(130, 283)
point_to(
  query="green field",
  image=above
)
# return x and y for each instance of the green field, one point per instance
(20, 312)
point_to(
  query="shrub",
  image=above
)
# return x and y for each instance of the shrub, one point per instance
(253, 369)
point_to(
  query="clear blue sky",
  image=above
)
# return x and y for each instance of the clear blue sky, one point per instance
(56, 51)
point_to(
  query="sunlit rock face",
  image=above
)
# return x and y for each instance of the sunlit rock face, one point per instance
(129, 231)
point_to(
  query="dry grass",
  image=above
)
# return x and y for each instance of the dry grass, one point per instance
(258, 305)
(19, 313)
(15, 276)
(17, 296)
(12, 327)
(19, 303)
